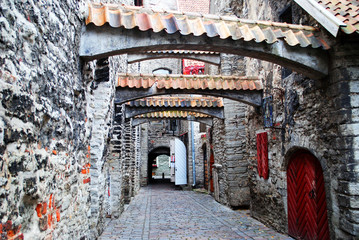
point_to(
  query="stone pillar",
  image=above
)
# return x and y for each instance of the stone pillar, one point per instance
(235, 163)
(100, 110)
(219, 152)
(344, 88)
(144, 155)
(115, 165)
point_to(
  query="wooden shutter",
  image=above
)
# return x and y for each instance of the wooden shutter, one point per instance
(262, 155)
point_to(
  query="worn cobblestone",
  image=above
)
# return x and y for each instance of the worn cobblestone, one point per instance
(161, 212)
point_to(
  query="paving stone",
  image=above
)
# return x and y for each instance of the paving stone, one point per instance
(161, 212)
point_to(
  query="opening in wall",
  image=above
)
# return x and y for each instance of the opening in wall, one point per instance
(138, 3)
(286, 16)
(162, 71)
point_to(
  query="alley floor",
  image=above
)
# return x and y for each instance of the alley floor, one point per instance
(161, 212)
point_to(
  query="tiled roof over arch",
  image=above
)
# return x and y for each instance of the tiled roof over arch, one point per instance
(198, 24)
(189, 82)
(169, 101)
(173, 114)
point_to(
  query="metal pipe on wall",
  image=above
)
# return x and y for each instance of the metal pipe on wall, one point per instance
(193, 156)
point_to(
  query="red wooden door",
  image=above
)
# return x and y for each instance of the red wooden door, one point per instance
(211, 162)
(205, 164)
(307, 208)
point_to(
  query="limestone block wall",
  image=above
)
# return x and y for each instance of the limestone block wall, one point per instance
(44, 130)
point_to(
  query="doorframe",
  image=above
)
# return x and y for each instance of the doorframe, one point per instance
(327, 181)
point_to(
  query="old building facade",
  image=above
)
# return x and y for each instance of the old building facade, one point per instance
(71, 158)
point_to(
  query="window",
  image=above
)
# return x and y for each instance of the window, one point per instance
(286, 16)
(202, 127)
(138, 3)
(162, 71)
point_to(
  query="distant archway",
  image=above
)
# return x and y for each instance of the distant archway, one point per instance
(152, 155)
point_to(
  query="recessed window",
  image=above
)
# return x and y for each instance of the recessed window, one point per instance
(286, 15)
(138, 3)
(162, 71)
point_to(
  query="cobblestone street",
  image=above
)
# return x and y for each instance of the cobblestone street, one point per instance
(161, 212)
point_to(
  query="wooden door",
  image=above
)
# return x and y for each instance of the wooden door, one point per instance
(180, 163)
(205, 165)
(307, 208)
(211, 162)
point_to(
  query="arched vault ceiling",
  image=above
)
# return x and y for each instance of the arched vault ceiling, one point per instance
(116, 29)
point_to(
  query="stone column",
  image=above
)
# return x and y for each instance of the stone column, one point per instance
(344, 87)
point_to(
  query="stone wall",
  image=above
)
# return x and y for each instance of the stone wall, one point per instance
(45, 133)
(317, 116)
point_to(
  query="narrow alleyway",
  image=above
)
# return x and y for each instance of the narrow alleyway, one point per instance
(161, 212)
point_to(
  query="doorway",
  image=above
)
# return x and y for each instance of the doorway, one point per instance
(307, 208)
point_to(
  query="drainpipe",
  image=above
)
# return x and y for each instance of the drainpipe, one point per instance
(193, 156)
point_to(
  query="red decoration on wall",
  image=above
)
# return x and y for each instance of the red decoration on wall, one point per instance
(262, 154)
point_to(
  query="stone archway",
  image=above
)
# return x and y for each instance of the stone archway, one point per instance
(152, 155)
(293, 46)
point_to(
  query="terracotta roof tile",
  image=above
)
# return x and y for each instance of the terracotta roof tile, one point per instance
(174, 81)
(177, 102)
(345, 10)
(173, 114)
(197, 24)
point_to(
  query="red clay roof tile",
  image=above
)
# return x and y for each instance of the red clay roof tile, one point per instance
(189, 82)
(345, 10)
(172, 114)
(197, 24)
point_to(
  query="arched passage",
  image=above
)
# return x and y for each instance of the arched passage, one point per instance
(135, 86)
(217, 112)
(152, 155)
(140, 30)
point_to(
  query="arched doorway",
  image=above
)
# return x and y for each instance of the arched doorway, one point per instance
(211, 162)
(307, 208)
(205, 166)
(152, 164)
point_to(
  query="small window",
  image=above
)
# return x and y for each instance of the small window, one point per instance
(162, 71)
(202, 127)
(138, 3)
(286, 16)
